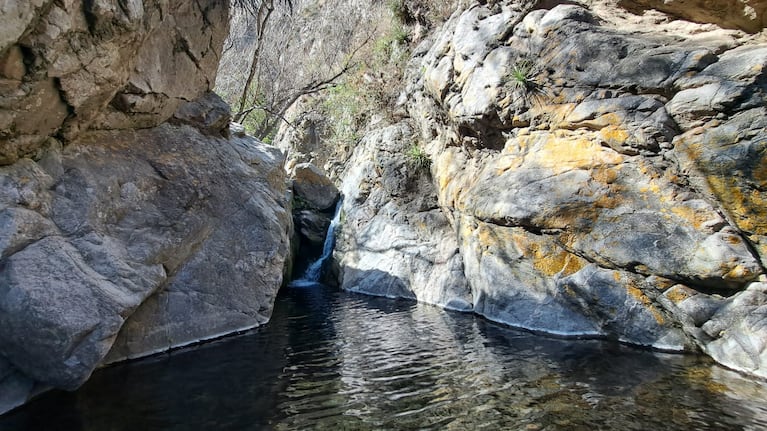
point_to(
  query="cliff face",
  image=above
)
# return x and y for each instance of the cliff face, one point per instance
(130, 221)
(599, 170)
(69, 66)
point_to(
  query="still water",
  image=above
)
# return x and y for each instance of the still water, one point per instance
(336, 361)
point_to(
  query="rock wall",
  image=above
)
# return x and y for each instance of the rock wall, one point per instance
(394, 239)
(130, 220)
(600, 170)
(67, 66)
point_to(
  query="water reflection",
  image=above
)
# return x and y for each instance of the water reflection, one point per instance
(330, 360)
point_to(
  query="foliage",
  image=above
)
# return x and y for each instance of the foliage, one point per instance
(268, 64)
(417, 158)
(344, 108)
(521, 74)
(398, 9)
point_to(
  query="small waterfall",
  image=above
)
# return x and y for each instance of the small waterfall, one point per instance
(314, 272)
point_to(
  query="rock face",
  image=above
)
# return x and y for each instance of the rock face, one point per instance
(747, 15)
(127, 243)
(67, 66)
(394, 240)
(122, 234)
(314, 203)
(597, 182)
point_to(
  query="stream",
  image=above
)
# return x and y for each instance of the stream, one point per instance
(331, 360)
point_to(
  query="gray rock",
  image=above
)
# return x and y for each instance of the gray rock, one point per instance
(626, 160)
(312, 225)
(726, 160)
(393, 239)
(17, 388)
(209, 113)
(141, 242)
(60, 320)
(739, 332)
(621, 306)
(313, 187)
(97, 64)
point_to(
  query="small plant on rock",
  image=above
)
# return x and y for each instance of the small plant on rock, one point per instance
(417, 158)
(522, 74)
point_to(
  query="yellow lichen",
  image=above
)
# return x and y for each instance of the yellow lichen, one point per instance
(564, 153)
(548, 259)
(640, 296)
(677, 295)
(605, 174)
(693, 217)
(614, 135)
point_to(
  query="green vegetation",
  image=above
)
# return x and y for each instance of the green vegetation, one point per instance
(417, 158)
(522, 74)
(398, 9)
(391, 48)
(344, 107)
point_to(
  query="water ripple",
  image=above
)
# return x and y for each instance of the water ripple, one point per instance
(335, 361)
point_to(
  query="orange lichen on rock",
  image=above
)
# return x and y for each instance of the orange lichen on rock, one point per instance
(679, 293)
(614, 135)
(548, 258)
(640, 296)
(749, 207)
(564, 153)
(694, 217)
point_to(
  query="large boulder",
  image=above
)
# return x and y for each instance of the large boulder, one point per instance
(129, 222)
(126, 243)
(313, 188)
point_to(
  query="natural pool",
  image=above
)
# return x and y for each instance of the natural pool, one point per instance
(331, 360)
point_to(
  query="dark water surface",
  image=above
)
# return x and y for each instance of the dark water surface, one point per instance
(335, 361)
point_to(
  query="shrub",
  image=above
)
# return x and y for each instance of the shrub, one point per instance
(344, 107)
(417, 158)
(398, 10)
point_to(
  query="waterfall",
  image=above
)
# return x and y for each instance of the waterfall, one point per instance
(314, 271)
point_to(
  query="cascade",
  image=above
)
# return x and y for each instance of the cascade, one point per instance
(314, 271)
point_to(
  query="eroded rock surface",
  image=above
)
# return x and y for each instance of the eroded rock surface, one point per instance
(69, 66)
(129, 222)
(600, 178)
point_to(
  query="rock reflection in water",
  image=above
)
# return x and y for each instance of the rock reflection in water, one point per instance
(331, 360)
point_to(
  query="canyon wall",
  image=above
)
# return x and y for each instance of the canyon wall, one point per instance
(598, 170)
(131, 219)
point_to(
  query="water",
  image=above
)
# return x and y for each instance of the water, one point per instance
(337, 361)
(313, 273)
